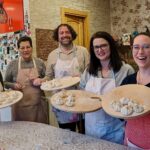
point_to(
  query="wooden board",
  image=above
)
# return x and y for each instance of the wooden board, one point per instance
(8, 98)
(84, 102)
(65, 83)
(139, 93)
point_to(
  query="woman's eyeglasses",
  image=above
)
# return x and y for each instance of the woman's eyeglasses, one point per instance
(102, 46)
(145, 47)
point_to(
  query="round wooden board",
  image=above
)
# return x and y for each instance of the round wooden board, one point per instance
(11, 102)
(65, 83)
(84, 102)
(139, 93)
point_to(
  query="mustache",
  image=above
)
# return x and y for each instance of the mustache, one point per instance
(66, 37)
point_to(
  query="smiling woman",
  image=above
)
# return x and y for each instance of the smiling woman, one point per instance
(25, 49)
(20, 75)
(137, 129)
(105, 72)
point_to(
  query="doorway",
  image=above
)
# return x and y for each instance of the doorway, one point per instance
(79, 20)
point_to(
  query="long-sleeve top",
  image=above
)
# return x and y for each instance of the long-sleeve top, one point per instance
(81, 53)
(12, 70)
(124, 71)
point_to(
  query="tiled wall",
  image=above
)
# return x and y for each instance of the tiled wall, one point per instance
(46, 14)
(128, 14)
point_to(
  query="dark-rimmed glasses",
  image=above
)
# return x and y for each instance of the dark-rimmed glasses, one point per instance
(102, 46)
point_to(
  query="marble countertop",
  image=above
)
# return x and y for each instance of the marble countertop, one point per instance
(36, 136)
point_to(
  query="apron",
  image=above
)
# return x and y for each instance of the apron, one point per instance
(31, 107)
(66, 68)
(99, 124)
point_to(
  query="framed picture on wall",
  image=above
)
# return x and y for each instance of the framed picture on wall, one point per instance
(12, 18)
(126, 38)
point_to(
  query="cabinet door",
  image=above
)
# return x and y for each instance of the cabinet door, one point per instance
(15, 16)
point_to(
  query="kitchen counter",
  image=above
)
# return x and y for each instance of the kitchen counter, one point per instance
(21, 135)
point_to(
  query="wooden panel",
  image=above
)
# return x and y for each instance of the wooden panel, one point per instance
(78, 24)
(44, 43)
(82, 18)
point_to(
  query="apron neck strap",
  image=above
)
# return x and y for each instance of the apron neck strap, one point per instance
(19, 63)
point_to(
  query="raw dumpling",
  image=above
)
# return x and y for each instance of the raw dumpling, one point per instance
(59, 101)
(70, 98)
(116, 106)
(124, 100)
(70, 101)
(138, 108)
(126, 110)
(132, 103)
(63, 94)
(57, 83)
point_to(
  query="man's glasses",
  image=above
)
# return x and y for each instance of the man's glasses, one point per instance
(102, 46)
(145, 47)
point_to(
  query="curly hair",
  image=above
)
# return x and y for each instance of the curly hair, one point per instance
(72, 31)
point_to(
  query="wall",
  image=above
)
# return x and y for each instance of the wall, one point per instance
(128, 14)
(46, 14)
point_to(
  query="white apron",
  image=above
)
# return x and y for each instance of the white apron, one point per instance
(66, 68)
(99, 124)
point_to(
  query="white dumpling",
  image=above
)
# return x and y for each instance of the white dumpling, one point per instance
(69, 103)
(132, 103)
(138, 108)
(116, 105)
(63, 94)
(52, 83)
(126, 110)
(70, 98)
(124, 100)
(57, 83)
(59, 101)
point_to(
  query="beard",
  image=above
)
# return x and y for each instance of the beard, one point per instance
(66, 43)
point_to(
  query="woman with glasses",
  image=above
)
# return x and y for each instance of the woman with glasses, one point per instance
(105, 71)
(137, 131)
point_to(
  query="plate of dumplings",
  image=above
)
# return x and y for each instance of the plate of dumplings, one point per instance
(60, 83)
(78, 101)
(9, 97)
(127, 101)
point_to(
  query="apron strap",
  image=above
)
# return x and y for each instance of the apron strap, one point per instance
(19, 63)
(112, 74)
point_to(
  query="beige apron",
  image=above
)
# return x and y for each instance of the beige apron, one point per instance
(31, 107)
